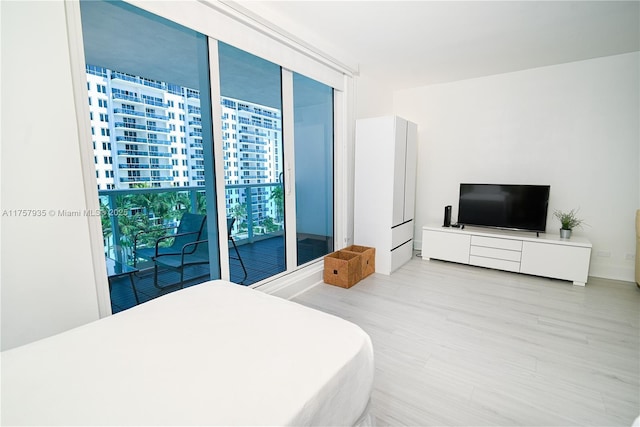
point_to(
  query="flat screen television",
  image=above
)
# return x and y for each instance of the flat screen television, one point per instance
(513, 207)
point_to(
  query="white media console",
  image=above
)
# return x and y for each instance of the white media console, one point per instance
(520, 252)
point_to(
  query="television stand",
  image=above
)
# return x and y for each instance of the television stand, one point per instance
(545, 255)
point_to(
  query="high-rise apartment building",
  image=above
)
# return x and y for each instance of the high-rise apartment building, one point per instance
(148, 133)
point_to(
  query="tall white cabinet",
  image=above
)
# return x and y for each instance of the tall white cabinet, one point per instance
(385, 186)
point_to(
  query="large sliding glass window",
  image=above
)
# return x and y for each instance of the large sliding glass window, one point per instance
(149, 101)
(313, 131)
(251, 99)
(149, 83)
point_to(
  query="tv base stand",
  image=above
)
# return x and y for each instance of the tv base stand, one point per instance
(545, 255)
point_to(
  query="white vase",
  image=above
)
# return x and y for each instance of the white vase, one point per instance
(565, 234)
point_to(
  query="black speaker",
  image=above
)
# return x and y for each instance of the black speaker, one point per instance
(447, 216)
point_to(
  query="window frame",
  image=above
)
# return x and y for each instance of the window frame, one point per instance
(226, 23)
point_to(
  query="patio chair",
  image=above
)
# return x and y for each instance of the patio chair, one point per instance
(230, 222)
(191, 254)
(187, 231)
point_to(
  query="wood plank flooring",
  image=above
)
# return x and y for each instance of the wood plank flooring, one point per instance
(462, 345)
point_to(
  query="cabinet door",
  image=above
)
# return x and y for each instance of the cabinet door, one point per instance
(446, 246)
(399, 160)
(410, 171)
(557, 261)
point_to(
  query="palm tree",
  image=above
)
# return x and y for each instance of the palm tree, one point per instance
(239, 211)
(277, 195)
(174, 204)
(201, 203)
(130, 226)
(269, 225)
(105, 222)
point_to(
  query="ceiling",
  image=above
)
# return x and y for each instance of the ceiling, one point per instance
(406, 44)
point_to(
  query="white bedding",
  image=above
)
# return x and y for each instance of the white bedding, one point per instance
(212, 354)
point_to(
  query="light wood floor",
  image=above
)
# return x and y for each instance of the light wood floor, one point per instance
(461, 345)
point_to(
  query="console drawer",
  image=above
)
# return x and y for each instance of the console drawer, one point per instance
(498, 264)
(496, 253)
(492, 242)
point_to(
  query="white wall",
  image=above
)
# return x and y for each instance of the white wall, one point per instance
(574, 126)
(47, 277)
(373, 98)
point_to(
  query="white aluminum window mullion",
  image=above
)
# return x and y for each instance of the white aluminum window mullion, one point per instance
(340, 170)
(288, 144)
(218, 159)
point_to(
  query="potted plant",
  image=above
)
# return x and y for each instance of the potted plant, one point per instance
(569, 221)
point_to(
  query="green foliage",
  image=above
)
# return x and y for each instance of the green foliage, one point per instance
(201, 203)
(569, 220)
(239, 212)
(269, 225)
(277, 195)
(148, 212)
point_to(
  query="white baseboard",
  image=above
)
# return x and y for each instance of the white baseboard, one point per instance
(626, 274)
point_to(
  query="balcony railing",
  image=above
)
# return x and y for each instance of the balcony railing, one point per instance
(132, 166)
(130, 139)
(137, 209)
(158, 129)
(129, 125)
(129, 112)
(127, 97)
(133, 152)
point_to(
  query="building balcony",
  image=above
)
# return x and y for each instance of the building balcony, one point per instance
(122, 125)
(252, 132)
(135, 179)
(158, 141)
(133, 153)
(128, 98)
(253, 150)
(159, 154)
(155, 102)
(115, 75)
(259, 111)
(130, 139)
(157, 116)
(132, 166)
(158, 129)
(128, 112)
(260, 242)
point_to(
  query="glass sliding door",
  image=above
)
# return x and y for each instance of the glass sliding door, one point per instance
(251, 100)
(314, 136)
(150, 108)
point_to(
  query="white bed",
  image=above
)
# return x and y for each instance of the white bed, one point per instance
(212, 354)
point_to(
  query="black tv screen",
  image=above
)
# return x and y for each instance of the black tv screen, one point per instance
(516, 207)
